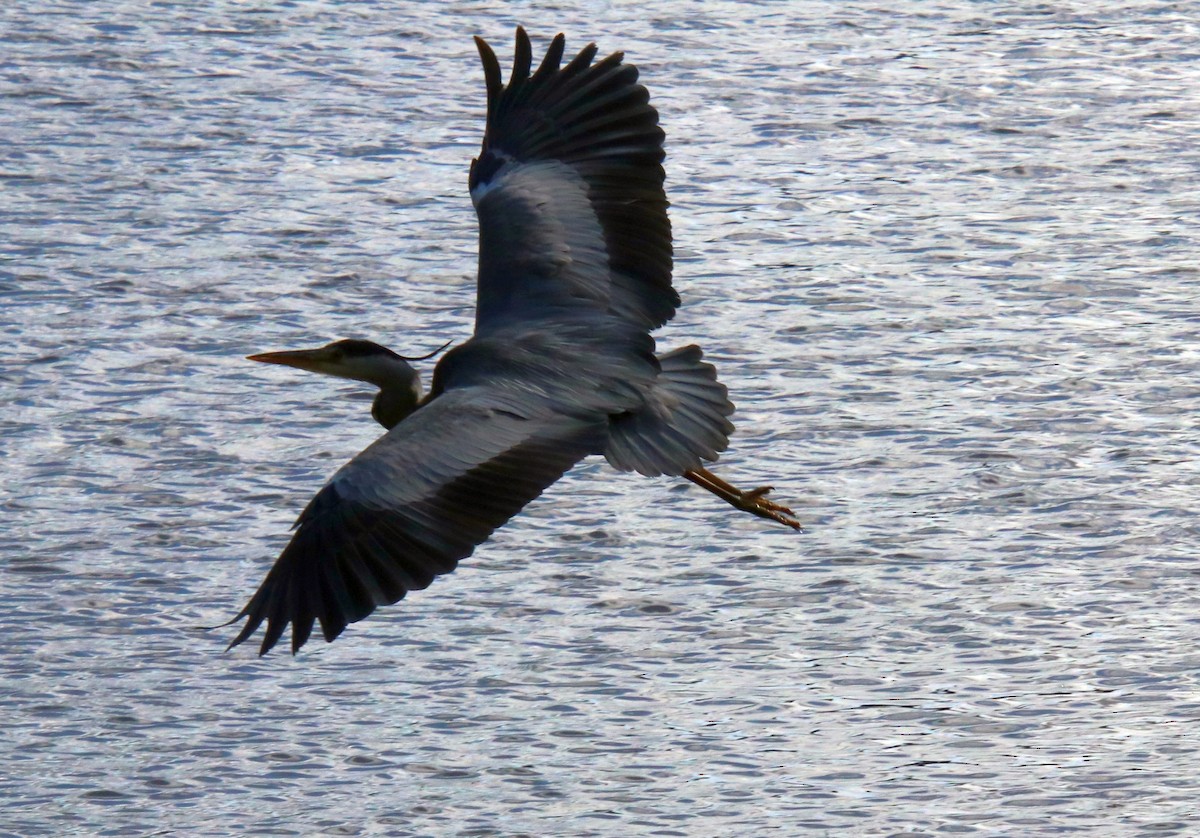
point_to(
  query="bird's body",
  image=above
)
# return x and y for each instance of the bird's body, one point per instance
(574, 274)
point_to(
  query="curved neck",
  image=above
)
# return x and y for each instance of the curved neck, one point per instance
(395, 400)
(399, 385)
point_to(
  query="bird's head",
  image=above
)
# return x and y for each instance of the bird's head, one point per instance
(358, 360)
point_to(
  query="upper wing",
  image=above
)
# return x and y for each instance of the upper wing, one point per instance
(411, 505)
(569, 192)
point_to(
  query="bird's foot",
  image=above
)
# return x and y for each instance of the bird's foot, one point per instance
(755, 502)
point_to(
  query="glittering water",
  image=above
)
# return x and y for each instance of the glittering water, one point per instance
(945, 256)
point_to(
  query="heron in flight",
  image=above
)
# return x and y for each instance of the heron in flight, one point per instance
(574, 274)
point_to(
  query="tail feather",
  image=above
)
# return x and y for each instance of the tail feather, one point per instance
(684, 422)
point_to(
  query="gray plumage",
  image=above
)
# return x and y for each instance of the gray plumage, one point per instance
(574, 273)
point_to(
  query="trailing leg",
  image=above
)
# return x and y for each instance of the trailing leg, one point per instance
(753, 501)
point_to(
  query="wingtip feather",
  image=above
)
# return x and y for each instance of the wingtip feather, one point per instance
(491, 70)
(522, 59)
(553, 58)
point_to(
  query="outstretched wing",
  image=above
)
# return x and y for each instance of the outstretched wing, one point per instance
(413, 504)
(569, 192)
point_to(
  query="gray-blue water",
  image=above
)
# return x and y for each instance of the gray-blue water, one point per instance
(945, 255)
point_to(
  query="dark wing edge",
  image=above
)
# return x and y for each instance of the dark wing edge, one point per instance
(596, 120)
(408, 509)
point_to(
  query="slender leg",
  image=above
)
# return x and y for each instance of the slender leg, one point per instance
(753, 501)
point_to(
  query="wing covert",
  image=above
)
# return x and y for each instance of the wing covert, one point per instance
(568, 188)
(411, 505)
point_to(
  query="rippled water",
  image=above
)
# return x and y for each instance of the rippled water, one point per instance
(945, 255)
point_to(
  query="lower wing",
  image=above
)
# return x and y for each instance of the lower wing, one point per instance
(413, 504)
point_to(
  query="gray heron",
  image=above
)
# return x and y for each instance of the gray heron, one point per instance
(575, 264)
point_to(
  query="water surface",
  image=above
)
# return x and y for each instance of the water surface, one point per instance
(945, 257)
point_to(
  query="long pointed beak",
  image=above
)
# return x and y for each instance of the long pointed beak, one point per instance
(313, 360)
